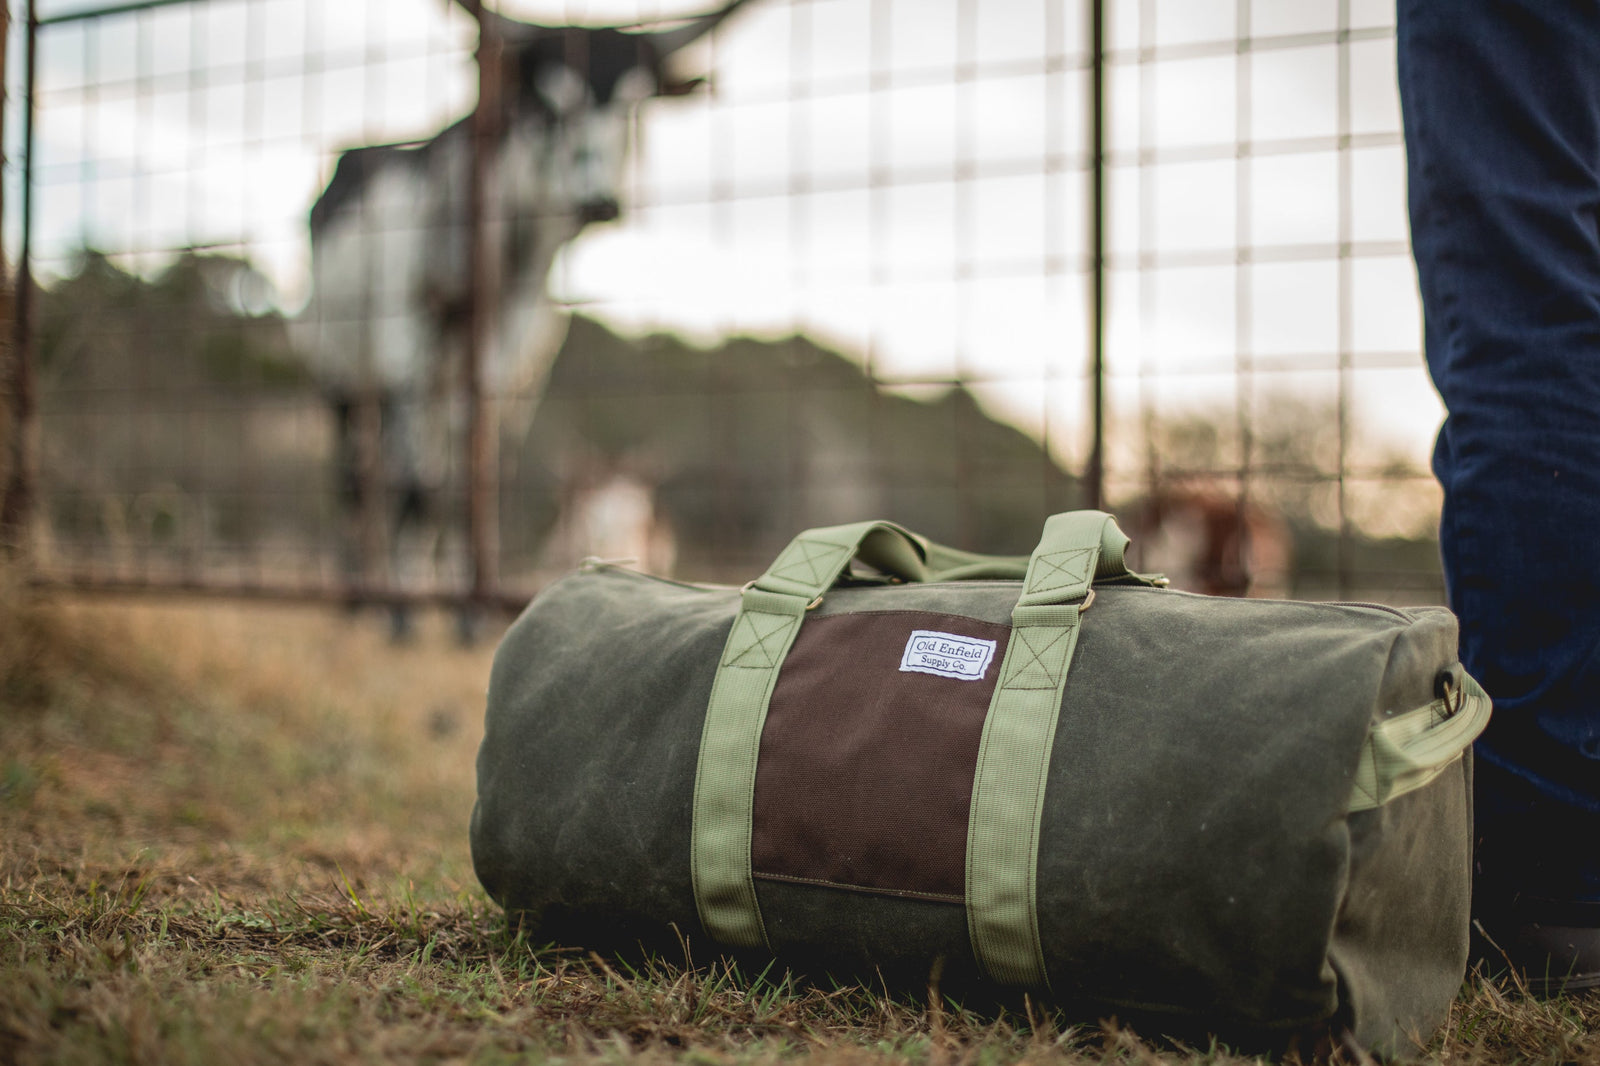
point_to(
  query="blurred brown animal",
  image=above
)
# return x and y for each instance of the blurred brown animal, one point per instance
(1205, 541)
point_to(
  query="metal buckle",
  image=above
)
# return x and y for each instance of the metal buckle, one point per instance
(1455, 697)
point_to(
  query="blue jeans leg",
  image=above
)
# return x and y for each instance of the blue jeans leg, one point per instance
(1501, 100)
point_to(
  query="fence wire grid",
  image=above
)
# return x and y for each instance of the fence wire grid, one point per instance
(929, 261)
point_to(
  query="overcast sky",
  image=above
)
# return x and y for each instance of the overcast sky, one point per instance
(909, 188)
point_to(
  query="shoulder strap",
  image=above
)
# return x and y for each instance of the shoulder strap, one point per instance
(1014, 756)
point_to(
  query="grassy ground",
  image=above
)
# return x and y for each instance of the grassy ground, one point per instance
(239, 835)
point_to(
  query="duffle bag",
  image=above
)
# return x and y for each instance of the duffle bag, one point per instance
(1048, 773)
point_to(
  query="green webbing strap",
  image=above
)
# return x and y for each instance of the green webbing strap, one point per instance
(769, 616)
(1014, 757)
(952, 564)
(1406, 751)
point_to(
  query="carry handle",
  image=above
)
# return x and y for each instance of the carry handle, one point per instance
(1008, 785)
(1405, 751)
(815, 559)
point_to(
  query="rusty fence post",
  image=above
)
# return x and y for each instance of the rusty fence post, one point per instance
(17, 488)
(8, 289)
(483, 477)
(1095, 476)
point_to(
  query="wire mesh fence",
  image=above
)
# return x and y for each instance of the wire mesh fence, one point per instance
(718, 279)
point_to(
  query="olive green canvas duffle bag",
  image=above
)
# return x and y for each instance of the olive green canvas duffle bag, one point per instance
(1049, 773)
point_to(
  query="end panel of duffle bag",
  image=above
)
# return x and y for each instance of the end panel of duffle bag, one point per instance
(1400, 943)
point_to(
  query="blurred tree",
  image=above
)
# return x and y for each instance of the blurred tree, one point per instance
(171, 412)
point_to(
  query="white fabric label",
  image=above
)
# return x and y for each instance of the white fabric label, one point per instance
(947, 655)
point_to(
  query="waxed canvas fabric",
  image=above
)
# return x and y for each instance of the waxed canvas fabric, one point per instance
(1197, 862)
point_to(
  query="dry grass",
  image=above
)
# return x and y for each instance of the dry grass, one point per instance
(233, 834)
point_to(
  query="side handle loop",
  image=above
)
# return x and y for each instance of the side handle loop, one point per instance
(1407, 750)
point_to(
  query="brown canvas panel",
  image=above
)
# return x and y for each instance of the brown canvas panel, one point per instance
(865, 772)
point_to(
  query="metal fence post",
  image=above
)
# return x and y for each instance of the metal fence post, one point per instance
(17, 489)
(1095, 476)
(483, 478)
(8, 288)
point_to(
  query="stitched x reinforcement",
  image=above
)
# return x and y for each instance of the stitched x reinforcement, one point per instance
(759, 640)
(1038, 666)
(811, 562)
(1058, 570)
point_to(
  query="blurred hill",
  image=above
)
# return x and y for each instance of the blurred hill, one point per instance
(748, 443)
